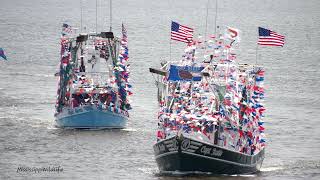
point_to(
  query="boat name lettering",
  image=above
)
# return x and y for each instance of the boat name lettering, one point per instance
(174, 145)
(159, 148)
(185, 144)
(189, 68)
(210, 151)
(216, 152)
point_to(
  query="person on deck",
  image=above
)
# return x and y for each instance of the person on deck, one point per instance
(75, 102)
(82, 66)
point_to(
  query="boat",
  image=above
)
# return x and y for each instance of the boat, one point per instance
(93, 85)
(210, 117)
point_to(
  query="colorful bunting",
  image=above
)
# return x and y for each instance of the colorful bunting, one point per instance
(228, 104)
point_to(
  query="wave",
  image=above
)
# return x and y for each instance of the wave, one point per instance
(30, 75)
(269, 169)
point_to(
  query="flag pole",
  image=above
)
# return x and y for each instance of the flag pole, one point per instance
(215, 19)
(257, 54)
(170, 48)
(257, 48)
(170, 39)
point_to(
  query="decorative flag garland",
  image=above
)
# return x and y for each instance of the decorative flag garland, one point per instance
(77, 93)
(229, 102)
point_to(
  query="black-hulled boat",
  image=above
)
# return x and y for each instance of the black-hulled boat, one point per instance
(187, 155)
(210, 110)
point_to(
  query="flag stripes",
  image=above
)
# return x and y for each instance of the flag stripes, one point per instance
(181, 33)
(270, 38)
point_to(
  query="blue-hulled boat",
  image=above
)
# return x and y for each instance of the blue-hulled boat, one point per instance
(93, 86)
(90, 117)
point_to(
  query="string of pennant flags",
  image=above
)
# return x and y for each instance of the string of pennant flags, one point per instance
(122, 72)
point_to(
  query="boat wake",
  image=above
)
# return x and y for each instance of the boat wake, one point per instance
(243, 175)
(129, 130)
(184, 173)
(298, 168)
(200, 174)
(270, 169)
(31, 75)
(149, 171)
(52, 127)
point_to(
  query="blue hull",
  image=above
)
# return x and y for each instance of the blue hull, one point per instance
(93, 119)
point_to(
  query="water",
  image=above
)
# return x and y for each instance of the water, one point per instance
(29, 34)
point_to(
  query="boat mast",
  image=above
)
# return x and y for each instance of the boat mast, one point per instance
(110, 15)
(80, 16)
(96, 16)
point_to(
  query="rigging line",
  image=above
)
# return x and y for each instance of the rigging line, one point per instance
(101, 15)
(215, 19)
(205, 31)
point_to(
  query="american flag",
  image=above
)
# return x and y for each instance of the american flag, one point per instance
(270, 38)
(66, 29)
(181, 33)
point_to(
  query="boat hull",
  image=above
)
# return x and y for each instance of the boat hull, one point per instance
(185, 155)
(91, 119)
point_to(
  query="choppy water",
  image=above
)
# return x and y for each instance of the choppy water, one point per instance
(29, 33)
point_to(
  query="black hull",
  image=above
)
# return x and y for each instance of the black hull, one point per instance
(186, 155)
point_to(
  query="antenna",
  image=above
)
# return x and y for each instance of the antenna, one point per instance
(110, 15)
